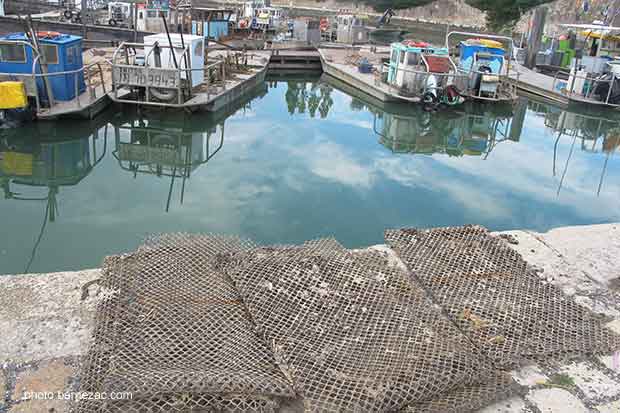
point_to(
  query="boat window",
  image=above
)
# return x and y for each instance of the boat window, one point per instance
(198, 51)
(413, 59)
(402, 56)
(12, 53)
(50, 53)
(72, 54)
(151, 13)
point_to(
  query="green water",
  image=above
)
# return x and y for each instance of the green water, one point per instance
(298, 160)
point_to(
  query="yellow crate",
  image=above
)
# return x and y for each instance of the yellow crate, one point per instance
(16, 163)
(13, 95)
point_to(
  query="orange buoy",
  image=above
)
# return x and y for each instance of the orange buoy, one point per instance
(47, 35)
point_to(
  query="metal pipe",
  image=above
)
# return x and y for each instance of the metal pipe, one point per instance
(174, 56)
(187, 64)
(42, 62)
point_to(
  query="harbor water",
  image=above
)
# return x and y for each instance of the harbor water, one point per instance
(298, 159)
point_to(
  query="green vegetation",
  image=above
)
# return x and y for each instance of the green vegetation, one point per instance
(501, 13)
(505, 12)
(561, 380)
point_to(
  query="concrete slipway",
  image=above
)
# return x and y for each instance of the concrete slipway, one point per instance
(45, 325)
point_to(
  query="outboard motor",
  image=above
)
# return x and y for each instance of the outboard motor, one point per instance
(430, 98)
(476, 77)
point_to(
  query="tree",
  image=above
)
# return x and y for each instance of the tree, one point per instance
(502, 13)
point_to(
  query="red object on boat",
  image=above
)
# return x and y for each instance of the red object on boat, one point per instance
(47, 35)
(324, 24)
(415, 43)
(438, 64)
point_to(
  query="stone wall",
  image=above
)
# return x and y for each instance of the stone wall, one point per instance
(441, 11)
(568, 11)
(46, 323)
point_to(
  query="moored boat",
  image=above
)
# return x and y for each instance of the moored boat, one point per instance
(42, 75)
(484, 63)
(172, 70)
(421, 72)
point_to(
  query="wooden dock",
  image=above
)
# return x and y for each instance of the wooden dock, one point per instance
(301, 59)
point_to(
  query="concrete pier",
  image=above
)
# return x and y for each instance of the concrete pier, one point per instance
(46, 321)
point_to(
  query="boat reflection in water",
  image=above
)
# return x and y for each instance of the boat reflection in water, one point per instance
(172, 146)
(590, 132)
(169, 149)
(34, 169)
(475, 130)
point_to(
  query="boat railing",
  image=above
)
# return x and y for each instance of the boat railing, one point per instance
(168, 159)
(590, 81)
(133, 75)
(503, 79)
(91, 71)
(421, 78)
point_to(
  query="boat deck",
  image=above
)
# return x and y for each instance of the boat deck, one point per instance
(536, 83)
(214, 96)
(544, 86)
(341, 63)
(84, 106)
(95, 98)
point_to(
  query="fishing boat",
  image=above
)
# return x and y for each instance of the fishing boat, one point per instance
(212, 23)
(168, 70)
(423, 73)
(592, 77)
(42, 75)
(351, 29)
(484, 63)
(268, 19)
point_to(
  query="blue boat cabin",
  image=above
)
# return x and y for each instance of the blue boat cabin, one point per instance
(61, 53)
(211, 23)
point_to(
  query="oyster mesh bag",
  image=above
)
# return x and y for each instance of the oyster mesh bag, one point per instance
(215, 323)
(173, 331)
(351, 331)
(493, 296)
